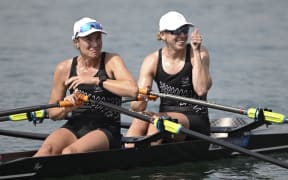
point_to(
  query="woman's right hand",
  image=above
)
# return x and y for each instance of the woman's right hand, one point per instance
(74, 100)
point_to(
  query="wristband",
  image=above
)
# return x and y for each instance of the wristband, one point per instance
(101, 81)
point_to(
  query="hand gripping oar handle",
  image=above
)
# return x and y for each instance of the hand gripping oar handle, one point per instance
(81, 98)
(141, 97)
(251, 112)
(39, 115)
(178, 128)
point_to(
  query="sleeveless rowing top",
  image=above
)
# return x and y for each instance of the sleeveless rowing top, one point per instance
(179, 84)
(95, 113)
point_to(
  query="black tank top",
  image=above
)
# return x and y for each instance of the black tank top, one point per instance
(179, 84)
(95, 112)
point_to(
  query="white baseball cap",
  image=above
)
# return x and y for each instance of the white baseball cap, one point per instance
(172, 21)
(86, 26)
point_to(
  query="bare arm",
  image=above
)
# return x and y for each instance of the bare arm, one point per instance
(202, 81)
(120, 81)
(59, 89)
(123, 83)
(145, 80)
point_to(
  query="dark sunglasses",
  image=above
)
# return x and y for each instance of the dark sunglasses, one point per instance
(183, 29)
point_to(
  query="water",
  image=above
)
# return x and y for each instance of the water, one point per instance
(247, 41)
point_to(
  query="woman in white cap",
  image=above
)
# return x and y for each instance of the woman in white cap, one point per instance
(179, 68)
(102, 76)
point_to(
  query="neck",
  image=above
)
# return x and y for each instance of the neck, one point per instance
(173, 54)
(88, 62)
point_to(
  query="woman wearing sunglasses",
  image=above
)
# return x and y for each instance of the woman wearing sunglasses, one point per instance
(102, 76)
(179, 68)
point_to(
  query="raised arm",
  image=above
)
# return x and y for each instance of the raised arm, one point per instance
(202, 81)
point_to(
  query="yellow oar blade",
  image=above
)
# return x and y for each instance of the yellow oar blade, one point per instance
(169, 126)
(18, 117)
(23, 116)
(272, 117)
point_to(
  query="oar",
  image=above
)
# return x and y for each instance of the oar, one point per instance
(20, 114)
(176, 128)
(26, 113)
(39, 136)
(40, 114)
(251, 113)
(140, 97)
(26, 135)
(40, 107)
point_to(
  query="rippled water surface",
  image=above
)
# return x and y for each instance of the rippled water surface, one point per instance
(247, 41)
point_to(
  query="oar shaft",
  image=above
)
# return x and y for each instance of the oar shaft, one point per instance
(39, 136)
(252, 113)
(175, 127)
(125, 111)
(201, 102)
(234, 147)
(27, 109)
(26, 135)
(38, 107)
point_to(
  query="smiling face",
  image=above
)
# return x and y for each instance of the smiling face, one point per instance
(90, 46)
(176, 38)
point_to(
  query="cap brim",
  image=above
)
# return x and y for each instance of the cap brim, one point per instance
(186, 24)
(90, 32)
(190, 24)
(174, 28)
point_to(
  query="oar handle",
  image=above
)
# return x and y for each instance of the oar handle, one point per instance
(140, 97)
(81, 98)
(65, 104)
(144, 91)
(269, 116)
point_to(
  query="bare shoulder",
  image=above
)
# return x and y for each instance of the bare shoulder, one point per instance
(151, 60)
(149, 65)
(115, 66)
(113, 58)
(64, 67)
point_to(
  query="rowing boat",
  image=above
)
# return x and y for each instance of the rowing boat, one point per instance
(249, 139)
(253, 136)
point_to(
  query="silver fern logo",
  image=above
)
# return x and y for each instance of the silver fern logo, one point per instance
(165, 88)
(186, 81)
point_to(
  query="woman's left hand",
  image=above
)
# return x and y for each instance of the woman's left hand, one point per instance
(196, 39)
(74, 81)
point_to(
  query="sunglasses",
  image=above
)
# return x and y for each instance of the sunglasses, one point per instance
(86, 27)
(183, 29)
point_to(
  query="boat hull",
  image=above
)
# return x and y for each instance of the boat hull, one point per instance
(165, 154)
